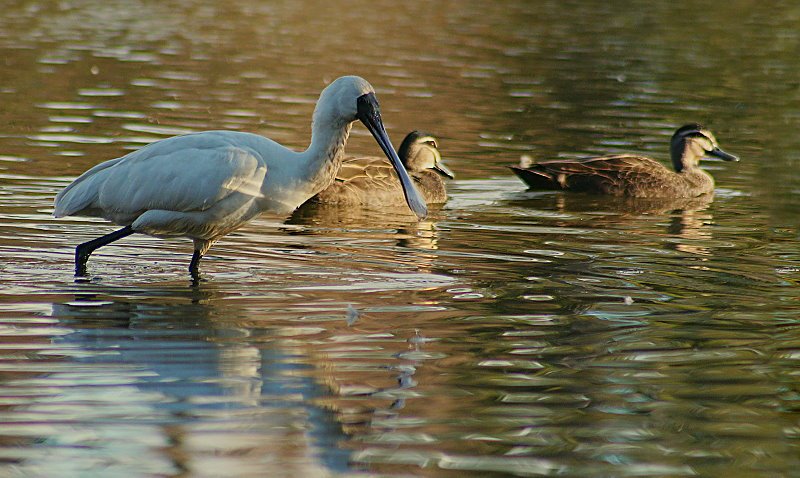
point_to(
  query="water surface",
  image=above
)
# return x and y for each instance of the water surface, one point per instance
(511, 333)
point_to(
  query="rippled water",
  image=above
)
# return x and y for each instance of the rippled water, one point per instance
(511, 333)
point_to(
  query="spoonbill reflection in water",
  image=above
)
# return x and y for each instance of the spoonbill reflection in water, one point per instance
(205, 185)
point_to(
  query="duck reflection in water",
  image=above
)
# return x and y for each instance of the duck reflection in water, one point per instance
(689, 219)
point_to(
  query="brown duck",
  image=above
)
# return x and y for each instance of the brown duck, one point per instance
(631, 175)
(372, 181)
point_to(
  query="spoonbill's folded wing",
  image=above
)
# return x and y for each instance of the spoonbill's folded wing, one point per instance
(188, 173)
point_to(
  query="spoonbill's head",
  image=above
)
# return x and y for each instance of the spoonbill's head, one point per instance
(351, 98)
(691, 143)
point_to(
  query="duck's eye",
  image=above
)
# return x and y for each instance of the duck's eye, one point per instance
(431, 143)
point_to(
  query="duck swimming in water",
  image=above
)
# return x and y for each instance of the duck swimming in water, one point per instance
(373, 181)
(631, 175)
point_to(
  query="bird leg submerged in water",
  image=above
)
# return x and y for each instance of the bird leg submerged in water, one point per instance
(193, 265)
(83, 251)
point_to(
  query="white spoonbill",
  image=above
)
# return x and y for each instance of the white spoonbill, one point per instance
(205, 185)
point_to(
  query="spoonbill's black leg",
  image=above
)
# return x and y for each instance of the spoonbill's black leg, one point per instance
(193, 269)
(83, 251)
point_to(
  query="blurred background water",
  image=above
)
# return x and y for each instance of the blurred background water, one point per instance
(511, 333)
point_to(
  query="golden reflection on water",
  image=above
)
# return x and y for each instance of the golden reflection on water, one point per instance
(512, 332)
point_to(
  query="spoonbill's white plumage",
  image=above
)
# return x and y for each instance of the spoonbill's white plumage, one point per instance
(205, 185)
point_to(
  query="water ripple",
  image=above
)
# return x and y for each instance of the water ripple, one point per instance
(512, 332)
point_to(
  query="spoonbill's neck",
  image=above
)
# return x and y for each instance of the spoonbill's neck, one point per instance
(323, 158)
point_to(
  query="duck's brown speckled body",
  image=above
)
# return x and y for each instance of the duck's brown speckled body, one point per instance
(630, 175)
(372, 181)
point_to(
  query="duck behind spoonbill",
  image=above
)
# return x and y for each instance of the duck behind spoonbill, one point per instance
(367, 180)
(205, 185)
(631, 175)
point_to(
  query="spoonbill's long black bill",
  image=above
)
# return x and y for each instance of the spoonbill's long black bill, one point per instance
(369, 114)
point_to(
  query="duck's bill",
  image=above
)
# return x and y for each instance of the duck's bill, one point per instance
(718, 153)
(444, 170)
(369, 114)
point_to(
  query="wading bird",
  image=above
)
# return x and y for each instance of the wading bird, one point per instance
(205, 185)
(630, 175)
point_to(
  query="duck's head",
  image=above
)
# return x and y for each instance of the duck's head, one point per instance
(692, 142)
(420, 151)
(351, 98)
